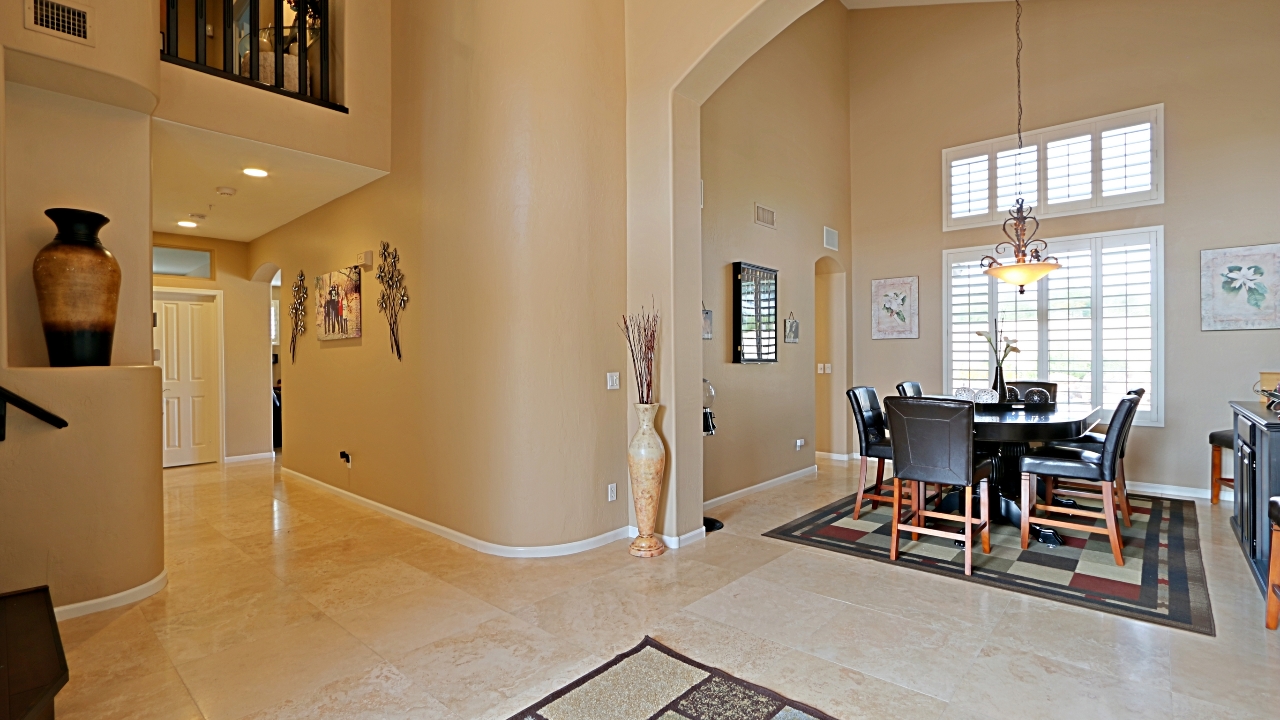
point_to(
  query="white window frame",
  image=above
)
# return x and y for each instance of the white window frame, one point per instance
(1097, 241)
(1094, 127)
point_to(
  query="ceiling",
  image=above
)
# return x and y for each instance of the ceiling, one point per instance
(189, 164)
(864, 4)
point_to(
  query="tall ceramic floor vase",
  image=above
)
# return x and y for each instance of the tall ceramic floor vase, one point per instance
(646, 460)
(78, 288)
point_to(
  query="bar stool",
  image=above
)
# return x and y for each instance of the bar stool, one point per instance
(910, 388)
(1080, 466)
(1273, 578)
(873, 442)
(1218, 440)
(933, 443)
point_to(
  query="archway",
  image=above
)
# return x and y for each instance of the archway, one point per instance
(830, 305)
(678, 54)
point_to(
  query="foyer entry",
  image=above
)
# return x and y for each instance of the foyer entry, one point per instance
(187, 339)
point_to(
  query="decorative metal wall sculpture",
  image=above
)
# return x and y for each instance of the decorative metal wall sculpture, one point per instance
(298, 314)
(394, 296)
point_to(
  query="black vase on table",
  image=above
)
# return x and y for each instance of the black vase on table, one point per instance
(999, 384)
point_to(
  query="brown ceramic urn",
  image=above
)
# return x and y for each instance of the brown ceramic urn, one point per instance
(78, 287)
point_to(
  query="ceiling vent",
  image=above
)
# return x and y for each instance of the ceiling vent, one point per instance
(68, 21)
(766, 217)
(830, 239)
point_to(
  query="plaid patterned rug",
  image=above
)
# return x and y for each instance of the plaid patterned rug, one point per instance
(1162, 580)
(654, 682)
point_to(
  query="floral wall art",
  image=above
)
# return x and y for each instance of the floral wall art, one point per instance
(1238, 288)
(895, 308)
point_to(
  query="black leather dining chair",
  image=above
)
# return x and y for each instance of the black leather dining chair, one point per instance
(873, 442)
(1078, 466)
(1093, 442)
(932, 441)
(910, 388)
(1022, 386)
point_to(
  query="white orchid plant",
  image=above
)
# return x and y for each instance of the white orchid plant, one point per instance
(1010, 346)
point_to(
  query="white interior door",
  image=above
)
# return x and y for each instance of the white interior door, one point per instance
(186, 342)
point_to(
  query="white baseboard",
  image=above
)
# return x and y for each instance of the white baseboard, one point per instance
(132, 595)
(1170, 491)
(672, 541)
(466, 540)
(761, 486)
(834, 456)
(246, 458)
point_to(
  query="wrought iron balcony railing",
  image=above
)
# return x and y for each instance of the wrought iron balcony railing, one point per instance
(282, 46)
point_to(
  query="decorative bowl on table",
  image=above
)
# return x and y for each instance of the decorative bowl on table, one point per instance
(963, 393)
(986, 397)
(1037, 396)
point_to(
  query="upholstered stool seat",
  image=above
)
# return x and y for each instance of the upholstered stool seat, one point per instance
(1218, 440)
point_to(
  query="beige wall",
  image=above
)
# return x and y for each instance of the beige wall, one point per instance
(246, 308)
(927, 78)
(506, 202)
(776, 133)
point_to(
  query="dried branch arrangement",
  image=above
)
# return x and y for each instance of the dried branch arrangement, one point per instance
(394, 296)
(641, 330)
(298, 314)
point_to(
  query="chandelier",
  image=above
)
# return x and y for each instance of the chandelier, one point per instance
(1028, 264)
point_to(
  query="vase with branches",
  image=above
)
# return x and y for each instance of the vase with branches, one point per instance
(646, 455)
(1010, 346)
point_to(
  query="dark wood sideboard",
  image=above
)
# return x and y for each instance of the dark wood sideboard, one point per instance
(1257, 479)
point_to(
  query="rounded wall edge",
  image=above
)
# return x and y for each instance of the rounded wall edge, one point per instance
(82, 508)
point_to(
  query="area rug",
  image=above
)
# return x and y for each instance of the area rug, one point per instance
(654, 682)
(1162, 580)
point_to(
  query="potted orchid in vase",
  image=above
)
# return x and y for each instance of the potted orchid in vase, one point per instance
(1010, 346)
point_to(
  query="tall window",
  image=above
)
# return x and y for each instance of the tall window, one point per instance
(1093, 326)
(1088, 166)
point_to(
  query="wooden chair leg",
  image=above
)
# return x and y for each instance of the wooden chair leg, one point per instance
(1215, 475)
(968, 530)
(917, 505)
(984, 508)
(1028, 483)
(862, 484)
(893, 522)
(1273, 582)
(1049, 486)
(1109, 508)
(1122, 493)
(875, 503)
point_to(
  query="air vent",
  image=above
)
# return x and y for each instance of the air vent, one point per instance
(68, 21)
(766, 217)
(830, 239)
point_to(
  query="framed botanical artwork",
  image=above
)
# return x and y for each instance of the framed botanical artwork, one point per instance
(895, 308)
(1238, 288)
(338, 304)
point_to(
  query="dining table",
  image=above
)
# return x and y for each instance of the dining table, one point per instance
(1004, 432)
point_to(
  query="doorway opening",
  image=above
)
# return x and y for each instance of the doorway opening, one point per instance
(187, 346)
(831, 431)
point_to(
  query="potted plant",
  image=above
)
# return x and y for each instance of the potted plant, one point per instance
(1010, 346)
(646, 455)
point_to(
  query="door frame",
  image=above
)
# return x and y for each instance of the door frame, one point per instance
(222, 370)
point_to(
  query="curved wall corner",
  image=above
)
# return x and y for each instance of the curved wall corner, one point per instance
(121, 68)
(82, 508)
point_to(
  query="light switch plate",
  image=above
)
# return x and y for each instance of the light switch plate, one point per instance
(613, 491)
(611, 381)
(799, 443)
(819, 368)
(828, 371)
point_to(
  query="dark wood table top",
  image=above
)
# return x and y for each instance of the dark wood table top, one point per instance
(1020, 425)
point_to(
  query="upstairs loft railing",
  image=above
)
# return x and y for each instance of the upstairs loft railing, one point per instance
(8, 397)
(278, 45)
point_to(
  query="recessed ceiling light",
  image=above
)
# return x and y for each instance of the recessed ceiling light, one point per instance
(255, 172)
(186, 223)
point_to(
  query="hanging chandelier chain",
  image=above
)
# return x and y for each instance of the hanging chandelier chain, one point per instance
(1017, 31)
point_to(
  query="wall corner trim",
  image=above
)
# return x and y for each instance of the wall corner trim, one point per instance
(132, 595)
(835, 456)
(758, 487)
(247, 458)
(508, 551)
(1170, 491)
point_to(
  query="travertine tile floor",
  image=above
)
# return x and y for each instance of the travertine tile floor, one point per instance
(287, 602)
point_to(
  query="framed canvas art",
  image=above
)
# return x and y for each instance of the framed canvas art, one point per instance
(1238, 288)
(895, 308)
(338, 304)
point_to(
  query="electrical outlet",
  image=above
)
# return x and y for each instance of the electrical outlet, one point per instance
(828, 368)
(611, 381)
(613, 491)
(819, 368)
(346, 457)
(799, 443)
